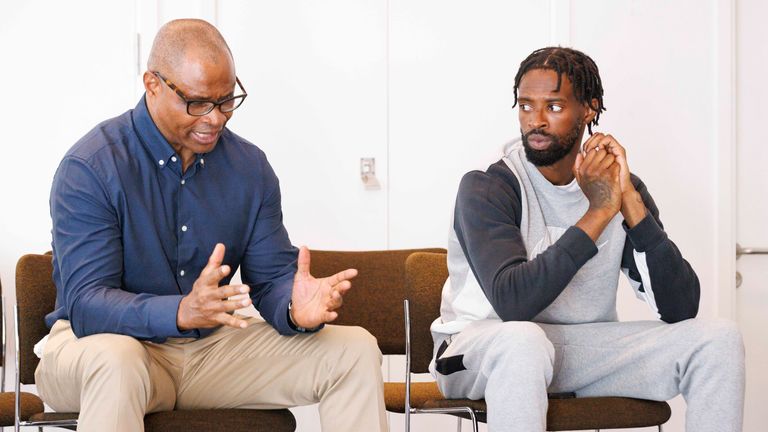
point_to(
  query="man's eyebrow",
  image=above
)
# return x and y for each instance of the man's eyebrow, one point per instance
(554, 99)
(207, 99)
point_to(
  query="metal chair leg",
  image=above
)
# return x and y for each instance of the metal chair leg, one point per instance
(458, 424)
(475, 427)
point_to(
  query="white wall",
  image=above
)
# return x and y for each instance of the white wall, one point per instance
(62, 72)
(425, 86)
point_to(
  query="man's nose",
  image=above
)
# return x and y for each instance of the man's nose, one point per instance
(537, 120)
(216, 117)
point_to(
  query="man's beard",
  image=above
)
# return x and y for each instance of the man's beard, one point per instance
(559, 147)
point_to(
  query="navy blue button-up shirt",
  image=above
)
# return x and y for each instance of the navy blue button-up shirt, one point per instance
(132, 232)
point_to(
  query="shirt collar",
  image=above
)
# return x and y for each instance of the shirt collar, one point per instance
(161, 151)
(150, 135)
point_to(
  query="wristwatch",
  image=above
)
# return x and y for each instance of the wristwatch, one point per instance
(297, 327)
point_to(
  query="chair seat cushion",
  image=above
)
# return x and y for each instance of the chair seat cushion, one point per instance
(421, 392)
(221, 420)
(562, 415)
(605, 413)
(206, 420)
(30, 404)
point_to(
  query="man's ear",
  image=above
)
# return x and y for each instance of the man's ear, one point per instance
(151, 83)
(590, 113)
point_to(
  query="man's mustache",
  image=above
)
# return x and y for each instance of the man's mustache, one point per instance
(538, 132)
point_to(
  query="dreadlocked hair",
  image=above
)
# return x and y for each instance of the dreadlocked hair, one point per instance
(577, 66)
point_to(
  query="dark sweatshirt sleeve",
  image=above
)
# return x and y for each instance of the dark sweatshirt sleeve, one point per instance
(487, 224)
(660, 267)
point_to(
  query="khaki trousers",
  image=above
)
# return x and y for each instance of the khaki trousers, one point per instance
(113, 380)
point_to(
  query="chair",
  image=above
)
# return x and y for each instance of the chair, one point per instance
(36, 297)
(375, 300)
(425, 274)
(29, 403)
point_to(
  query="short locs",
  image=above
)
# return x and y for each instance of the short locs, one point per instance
(577, 66)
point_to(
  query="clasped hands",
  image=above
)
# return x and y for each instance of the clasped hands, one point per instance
(314, 301)
(603, 174)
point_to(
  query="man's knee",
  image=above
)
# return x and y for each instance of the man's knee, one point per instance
(514, 345)
(722, 337)
(353, 346)
(116, 357)
(522, 337)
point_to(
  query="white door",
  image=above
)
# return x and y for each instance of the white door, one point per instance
(752, 204)
(316, 77)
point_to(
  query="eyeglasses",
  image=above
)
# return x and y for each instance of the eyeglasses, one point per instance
(203, 107)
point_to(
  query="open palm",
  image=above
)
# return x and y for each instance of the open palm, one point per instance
(315, 301)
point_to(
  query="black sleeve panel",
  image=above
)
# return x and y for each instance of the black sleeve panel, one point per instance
(487, 224)
(674, 283)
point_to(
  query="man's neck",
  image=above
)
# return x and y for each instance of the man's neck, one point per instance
(561, 172)
(187, 156)
(187, 159)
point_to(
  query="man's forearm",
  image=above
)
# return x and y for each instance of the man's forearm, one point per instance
(632, 208)
(593, 222)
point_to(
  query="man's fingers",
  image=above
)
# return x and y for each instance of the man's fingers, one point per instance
(577, 165)
(231, 321)
(614, 145)
(341, 276)
(214, 271)
(615, 170)
(592, 159)
(227, 291)
(212, 275)
(302, 269)
(217, 256)
(335, 301)
(343, 287)
(589, 143)
(229, 305)
(609, 143)
(607, 161)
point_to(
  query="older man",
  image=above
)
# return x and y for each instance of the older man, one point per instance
(152, 213)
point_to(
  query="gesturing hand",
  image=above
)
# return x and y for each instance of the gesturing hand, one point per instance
(207, 305)
(315, 300)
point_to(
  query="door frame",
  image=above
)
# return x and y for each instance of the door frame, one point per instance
(725, 163)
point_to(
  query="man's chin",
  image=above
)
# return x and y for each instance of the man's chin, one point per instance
(204, 145)
(541, 158)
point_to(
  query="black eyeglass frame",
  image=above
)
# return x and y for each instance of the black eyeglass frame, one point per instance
(213, 104)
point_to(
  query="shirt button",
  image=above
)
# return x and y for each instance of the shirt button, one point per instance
(161, 162)
(173, 158)
(183, 181)
(184, 228)
(181, 273)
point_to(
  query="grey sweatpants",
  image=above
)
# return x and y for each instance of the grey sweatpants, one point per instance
(513, 365)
